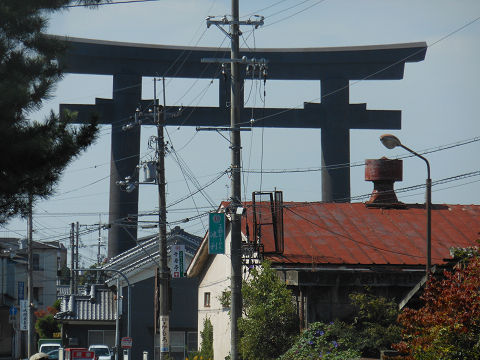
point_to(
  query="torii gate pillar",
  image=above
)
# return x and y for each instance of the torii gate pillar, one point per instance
(335, 141)
(125, 156)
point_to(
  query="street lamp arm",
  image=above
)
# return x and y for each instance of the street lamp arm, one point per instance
(418, 155)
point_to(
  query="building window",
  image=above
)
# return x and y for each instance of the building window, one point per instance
(192, 341)
(36, 262)
(206, 299)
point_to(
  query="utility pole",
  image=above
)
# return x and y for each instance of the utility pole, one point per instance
(30, 345)
(159, 114)
(235, 146)
(72, 258)
(99, 258)
(235, 198)
(77, 236)
(162, 229)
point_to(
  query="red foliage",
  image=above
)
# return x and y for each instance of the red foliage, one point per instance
(42, 313)
(451, 305)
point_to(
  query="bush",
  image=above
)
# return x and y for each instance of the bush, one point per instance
(376, 326)
(447, 327)
(334, 341)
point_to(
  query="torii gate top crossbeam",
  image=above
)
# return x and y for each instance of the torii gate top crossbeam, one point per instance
(379, 62)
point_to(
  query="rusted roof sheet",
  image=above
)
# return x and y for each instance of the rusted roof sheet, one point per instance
(351, 233)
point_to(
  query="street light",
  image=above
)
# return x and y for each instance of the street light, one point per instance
(390, 142)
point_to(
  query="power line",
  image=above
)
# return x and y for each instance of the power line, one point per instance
(357, 164)
(108, 3)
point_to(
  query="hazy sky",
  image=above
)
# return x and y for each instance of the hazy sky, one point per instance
(438, 97)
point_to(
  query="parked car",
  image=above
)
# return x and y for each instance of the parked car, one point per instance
(47, 347)
(53, 354)
(102, 352)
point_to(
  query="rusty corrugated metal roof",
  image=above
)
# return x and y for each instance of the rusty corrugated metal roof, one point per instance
(351, 233)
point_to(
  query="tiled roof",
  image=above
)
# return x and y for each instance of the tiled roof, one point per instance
(147, 250)
(351, 233)
(82, 309)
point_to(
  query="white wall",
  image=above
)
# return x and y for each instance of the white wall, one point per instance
(215, 281)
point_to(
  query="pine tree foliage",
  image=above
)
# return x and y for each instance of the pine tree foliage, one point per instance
(33, 153)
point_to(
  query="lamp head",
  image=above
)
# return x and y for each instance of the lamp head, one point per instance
(390, 141)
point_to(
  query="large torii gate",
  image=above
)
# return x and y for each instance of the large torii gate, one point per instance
(335, 116)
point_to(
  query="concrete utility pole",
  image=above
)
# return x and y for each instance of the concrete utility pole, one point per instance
(77, 236)
(162, 230)
(236, 191)
(235, 146)
(72, 258)
(30, 345)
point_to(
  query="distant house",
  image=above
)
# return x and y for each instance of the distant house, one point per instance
(139, 265)
(48, 259)
(326, 251)
(89, 318)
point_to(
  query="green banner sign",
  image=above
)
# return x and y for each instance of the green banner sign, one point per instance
(216, 233)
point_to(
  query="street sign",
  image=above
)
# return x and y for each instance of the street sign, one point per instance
(178, 261)
(13, 310)
(126, 342)
(216, 233)
(24, 315)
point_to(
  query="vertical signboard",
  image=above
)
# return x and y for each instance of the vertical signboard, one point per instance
(164, 333)
(24, 315)
(178, 261)
(216, 233)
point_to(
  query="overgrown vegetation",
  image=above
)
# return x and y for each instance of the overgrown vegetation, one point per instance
(447, 327)
(269, 325)
(374, 329)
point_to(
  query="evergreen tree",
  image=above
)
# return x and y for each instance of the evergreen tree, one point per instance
(270, 323)
(33, 153)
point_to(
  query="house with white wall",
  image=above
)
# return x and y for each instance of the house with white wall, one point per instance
(326, 251)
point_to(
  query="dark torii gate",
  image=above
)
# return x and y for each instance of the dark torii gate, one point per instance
(335, 116)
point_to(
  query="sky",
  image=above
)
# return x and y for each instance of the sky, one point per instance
(438, 98)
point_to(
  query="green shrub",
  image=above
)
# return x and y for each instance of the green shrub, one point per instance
(334, 341)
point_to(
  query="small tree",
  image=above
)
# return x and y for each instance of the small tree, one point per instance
(270, 324)
(206, 346)
(448, 325)
(46, 325)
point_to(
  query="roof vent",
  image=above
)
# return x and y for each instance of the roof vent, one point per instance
(383, 172)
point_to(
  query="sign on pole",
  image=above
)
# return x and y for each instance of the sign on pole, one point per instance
(164, 333)
(126, 342)
(178, 261)
(24, 315)
(216, 233)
